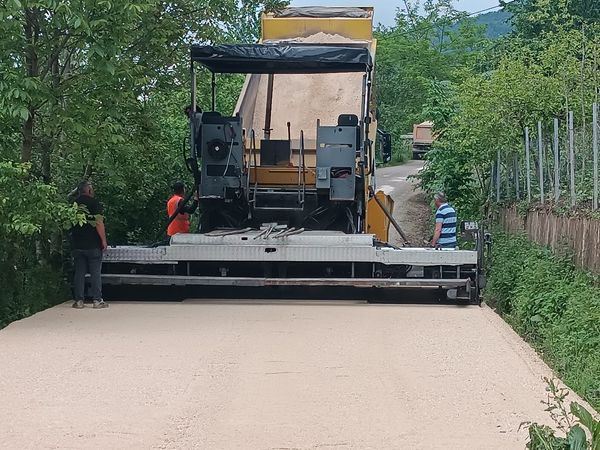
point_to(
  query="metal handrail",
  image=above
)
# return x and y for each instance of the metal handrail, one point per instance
(253, 156)
(303, 166)
(301, 171)
(248, 174)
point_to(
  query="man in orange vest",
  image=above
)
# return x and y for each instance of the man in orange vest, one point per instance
(181, 223)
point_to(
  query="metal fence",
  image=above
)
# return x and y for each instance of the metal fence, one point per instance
(559, 164)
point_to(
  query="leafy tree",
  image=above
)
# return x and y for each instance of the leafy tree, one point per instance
(96, 89)
(84, 84)
(492, 111)
(546, 68)
(29, 213)
(533, 18)
(418, 51)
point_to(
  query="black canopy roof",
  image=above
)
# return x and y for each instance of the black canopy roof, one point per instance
(282, 58)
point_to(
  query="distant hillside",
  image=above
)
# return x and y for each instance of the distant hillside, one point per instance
(497, 23)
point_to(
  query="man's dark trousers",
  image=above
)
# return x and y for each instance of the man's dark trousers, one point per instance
(88, 261)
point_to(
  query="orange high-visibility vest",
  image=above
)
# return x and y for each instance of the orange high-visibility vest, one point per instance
(181, 224)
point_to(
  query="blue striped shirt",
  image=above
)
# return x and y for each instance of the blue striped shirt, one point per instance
(446, 215)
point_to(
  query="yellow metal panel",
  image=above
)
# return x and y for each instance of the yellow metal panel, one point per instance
(310, 159)
(377, 222)
(280, 176)
(275, 28)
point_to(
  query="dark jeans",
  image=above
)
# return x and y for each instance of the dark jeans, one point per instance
(87, 261)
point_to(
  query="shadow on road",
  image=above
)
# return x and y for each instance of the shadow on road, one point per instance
(275, 294)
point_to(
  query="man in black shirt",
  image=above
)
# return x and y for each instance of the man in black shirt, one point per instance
(89, 241)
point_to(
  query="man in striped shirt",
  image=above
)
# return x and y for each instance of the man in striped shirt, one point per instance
(445, 223)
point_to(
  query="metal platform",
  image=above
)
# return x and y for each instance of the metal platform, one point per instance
(309, 246)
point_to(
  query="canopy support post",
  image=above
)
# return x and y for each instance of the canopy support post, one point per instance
(213, 86)
(192, 113)
(363, 110)
(367, 157)
(269, 106)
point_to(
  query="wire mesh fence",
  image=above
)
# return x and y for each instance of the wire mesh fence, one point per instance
(558, 164)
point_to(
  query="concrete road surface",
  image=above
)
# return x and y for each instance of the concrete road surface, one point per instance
(269, 375)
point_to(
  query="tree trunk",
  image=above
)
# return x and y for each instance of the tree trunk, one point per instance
(31, 28)
(46, 151)
(27, 132)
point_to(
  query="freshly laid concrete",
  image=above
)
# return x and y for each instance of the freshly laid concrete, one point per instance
(252, 375)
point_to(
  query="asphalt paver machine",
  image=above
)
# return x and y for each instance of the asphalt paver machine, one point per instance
(287, 184)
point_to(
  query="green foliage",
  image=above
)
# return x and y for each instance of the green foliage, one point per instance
(534, 17)
(542, 437)
(587, 420)
(28, 206)
(554, 306)
(420, 52)
(451, 172)
(96, 90)
(30, 216)
(573, 421)
(491, 111)
(545, 68)
(440, 105)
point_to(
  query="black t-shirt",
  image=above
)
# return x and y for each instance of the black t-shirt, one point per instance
(85, 237)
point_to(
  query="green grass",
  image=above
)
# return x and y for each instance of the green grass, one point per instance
(553, 306)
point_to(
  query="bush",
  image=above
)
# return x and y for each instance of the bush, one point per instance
(570, 418)
(32, 218)
(29, 289)
(553, 306)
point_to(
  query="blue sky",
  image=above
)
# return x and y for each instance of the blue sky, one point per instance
(385, 10)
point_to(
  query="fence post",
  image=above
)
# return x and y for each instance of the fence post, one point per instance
(498, 181)
(572, 159)
(541, 160)
(517, 176)
(556, 162)
(492, 180)
(595, 149)
(527, 165)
